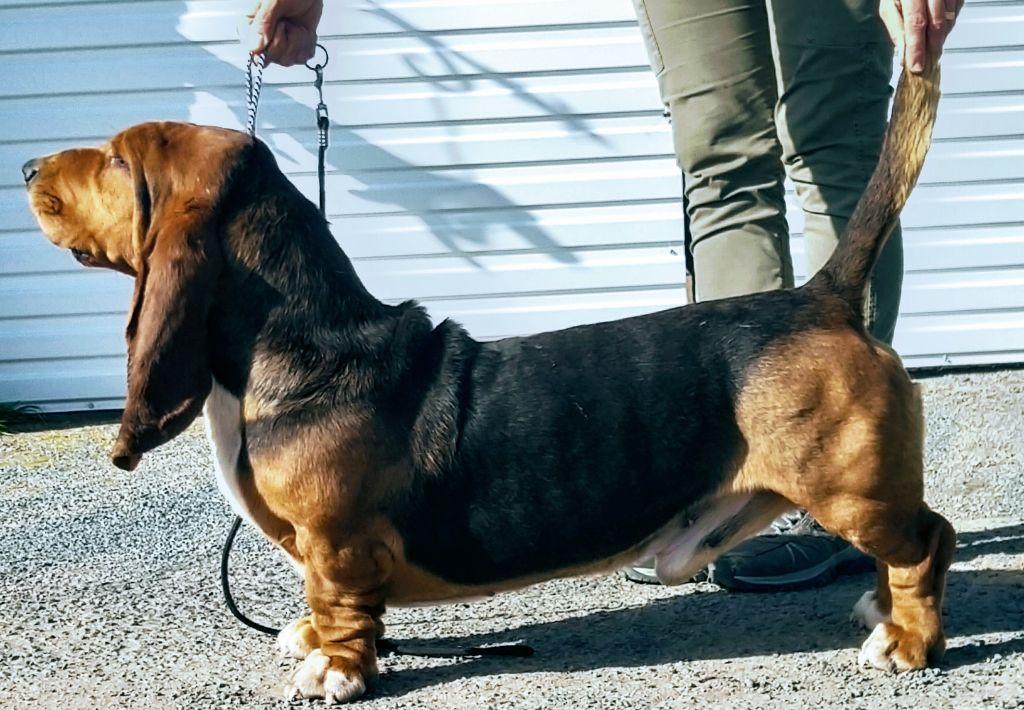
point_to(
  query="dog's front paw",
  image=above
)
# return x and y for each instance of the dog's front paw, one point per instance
(892, 648)
(867, 613)
(321, 676)
(298, 639)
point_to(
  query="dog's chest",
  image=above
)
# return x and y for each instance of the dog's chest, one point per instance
(223, 416)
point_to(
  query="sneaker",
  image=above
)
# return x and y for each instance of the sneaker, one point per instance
(775, 563)
(797, 554)
(796, 522)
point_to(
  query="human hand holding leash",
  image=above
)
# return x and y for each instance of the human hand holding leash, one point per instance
(919, 27)
(284, 29)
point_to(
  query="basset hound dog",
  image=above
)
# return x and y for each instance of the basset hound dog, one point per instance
(399, 462)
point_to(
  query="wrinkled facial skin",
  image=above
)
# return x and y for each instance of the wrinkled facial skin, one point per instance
(84, 201)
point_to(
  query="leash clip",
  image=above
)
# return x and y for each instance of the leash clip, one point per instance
(323, 123)
(323, 119)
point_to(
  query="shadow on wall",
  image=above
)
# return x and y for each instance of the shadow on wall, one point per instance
(432, 196)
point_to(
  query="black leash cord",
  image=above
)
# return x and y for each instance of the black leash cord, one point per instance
(254, 81)
(225, 584)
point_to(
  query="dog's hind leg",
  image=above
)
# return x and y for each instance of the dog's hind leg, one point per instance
(914, 553)
(913, 638)
(834, 424)
(876, 503)
(300, 638)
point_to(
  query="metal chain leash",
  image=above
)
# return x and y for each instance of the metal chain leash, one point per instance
(253, 85)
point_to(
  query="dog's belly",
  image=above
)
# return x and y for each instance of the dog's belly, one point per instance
(681, 549)
(222, 414)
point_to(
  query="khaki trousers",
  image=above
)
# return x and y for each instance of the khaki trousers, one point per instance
(761, 89)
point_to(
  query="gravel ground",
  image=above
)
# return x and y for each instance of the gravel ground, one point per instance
(109, 597)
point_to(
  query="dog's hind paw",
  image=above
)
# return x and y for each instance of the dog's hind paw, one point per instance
(319, 677)
(892, 648)
(298, 639)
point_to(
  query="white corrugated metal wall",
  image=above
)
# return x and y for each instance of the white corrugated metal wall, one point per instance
(504, 161)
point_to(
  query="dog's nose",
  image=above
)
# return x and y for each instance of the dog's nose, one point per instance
(30, 169)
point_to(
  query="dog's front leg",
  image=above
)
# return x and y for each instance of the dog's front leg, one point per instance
(345, 590)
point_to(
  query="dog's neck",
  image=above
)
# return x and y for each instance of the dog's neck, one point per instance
(292, 323)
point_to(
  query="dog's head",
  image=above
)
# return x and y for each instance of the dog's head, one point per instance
(148, 204)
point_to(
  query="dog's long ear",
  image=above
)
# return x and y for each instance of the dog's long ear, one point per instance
(180, 175)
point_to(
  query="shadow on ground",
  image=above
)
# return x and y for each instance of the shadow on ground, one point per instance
(1007, 540)
(716, 626)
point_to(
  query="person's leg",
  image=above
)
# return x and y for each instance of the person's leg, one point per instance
(713, 61)
(835, 62)
(715, 72)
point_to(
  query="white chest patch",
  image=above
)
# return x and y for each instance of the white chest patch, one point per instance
(223, 415)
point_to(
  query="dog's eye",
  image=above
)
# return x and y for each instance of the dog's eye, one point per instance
(83, 258)
(116, 161)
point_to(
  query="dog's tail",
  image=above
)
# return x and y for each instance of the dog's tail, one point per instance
(906, 143)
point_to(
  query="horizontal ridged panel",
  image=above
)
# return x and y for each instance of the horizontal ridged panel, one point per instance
(101, 24)
(433, 197)
(165, 68)
(83, 381)
(396, 155)
(503, 160)
(578, 98)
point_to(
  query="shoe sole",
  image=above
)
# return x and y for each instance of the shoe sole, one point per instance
(640, 575)
(646, 575)
(848, 561)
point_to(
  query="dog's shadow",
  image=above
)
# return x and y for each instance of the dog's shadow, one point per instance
(1007, 540)
(719, 626)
